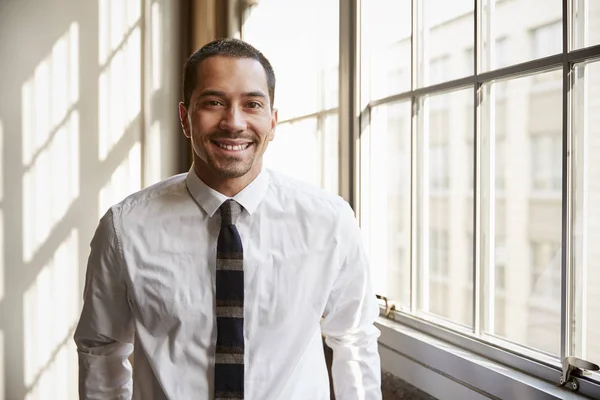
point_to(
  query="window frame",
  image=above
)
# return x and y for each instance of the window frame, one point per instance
(355, 119)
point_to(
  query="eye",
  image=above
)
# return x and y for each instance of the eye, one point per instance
(254, 104)
(213, 103)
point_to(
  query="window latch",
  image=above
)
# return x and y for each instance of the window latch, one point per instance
(389, 307)
(572, 367)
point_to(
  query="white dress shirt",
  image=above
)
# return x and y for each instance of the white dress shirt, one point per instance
(151, 280)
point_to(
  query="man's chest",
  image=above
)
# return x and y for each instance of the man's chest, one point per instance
(286, 268)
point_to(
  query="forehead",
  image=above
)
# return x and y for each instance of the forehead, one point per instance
(231, 75)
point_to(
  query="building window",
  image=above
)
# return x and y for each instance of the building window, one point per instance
(546, 162)
(545, 271)
(439, 69)
(438, 253)
(439, 174)
(545, 40)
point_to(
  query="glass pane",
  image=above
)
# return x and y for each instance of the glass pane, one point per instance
(445, 206)
(535, 33)
(587, 23)
(386, 197)
(586, 114)
(386, 48)
(522, 209)
(446, 41)
(305, 64)
(307, 150)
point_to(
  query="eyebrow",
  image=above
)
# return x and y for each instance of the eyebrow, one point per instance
(217, 93)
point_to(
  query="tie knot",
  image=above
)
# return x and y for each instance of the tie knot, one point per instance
(230, 211)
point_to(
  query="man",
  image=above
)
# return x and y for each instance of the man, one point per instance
(228, 276)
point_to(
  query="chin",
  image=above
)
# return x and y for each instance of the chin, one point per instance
(232, 172)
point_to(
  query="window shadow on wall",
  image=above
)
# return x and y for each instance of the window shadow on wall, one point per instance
(70, 135)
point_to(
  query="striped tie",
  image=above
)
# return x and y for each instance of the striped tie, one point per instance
(229, 357)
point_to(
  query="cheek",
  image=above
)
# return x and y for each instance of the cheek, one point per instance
(266, 132)
(203, 124)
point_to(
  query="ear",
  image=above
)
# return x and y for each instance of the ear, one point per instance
(274, 119)
(183, 118)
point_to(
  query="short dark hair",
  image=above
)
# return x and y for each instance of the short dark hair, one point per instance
(227, 47)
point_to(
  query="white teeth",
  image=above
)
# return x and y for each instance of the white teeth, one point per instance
(230, 147)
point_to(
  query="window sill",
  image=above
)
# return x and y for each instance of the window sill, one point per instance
(445, 370)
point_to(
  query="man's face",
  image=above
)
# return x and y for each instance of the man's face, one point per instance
(229, 118)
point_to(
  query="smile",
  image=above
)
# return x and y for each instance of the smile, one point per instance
(237, 147)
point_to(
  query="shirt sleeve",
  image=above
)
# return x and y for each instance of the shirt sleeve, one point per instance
(104, 334)
(348, 321)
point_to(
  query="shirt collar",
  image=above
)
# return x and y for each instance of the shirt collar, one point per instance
(210, 200)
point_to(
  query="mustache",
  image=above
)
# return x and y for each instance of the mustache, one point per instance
(230, 136)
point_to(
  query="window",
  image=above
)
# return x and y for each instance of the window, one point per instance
(438, 254)
(386, 49)
(502, 54)
(498, 57)
(545, 40)
(546, 172)
(396, 80)
(545, 272)
(498, 183)
(500, 267)
(587, 28)
(439, 69)
(512, 23)
(586, 219)
(444, 206)
(500, 164)
(441, 19)
(386, 198)
(438, 170)
(511, 218)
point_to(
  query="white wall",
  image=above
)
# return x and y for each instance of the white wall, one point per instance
(84, 120)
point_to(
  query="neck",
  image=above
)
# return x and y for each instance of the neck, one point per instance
(226, 186)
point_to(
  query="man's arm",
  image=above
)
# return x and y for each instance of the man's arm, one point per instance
(348, 323)
(104, 334)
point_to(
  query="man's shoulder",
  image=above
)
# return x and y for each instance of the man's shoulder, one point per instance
(293, 189)
(155, 193)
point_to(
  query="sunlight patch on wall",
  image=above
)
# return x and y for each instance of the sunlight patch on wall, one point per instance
(50, 186)
(157, 49)
(119, 84)
(153, 159)
(51, 308)
(50, 94)
(125, 180)
(119, 95)
(59, 379)
(50, 132)
(117, 18)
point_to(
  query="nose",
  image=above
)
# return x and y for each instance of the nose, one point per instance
(233, 120)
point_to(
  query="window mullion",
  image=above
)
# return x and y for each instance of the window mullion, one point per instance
(414, 232)
(349, 38)
(477, 317)
(566, 343)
